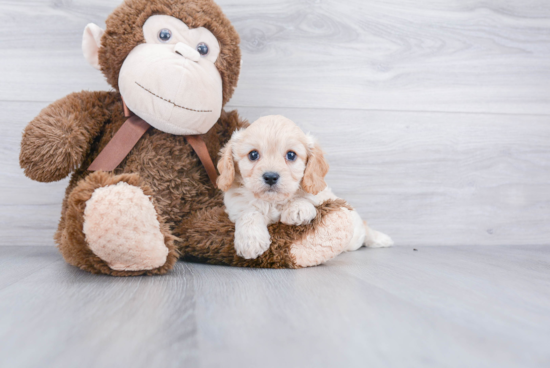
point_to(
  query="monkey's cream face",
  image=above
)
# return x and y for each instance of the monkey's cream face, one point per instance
(171, 81)
(271, 155)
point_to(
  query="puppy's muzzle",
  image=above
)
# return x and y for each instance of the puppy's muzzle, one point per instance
(271, 178)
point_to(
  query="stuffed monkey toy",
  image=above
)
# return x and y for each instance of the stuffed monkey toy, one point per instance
(140, 196)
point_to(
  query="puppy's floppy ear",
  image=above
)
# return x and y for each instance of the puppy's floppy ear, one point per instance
(317, 168)
(226, 165)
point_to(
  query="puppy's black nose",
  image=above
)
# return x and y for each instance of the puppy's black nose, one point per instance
(271, 178)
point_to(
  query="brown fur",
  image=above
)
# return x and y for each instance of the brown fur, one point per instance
(71, 239)
(210, 233)
(60, 136)
(69, 134)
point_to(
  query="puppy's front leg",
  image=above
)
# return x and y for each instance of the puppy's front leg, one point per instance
(298, 212)
(251, 236)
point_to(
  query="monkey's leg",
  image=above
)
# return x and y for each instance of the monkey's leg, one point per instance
(208, 236)
(111, 226)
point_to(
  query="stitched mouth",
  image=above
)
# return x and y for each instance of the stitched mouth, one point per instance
(173, 103)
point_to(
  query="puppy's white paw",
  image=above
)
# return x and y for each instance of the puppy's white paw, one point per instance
(376, 239)
(251, 242)
(298, 213)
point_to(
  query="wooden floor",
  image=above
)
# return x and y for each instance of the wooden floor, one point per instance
(397, 307)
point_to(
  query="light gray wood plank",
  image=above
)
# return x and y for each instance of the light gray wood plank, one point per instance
(17, 263)
(29, 211)
(475, 56)
(391, 307)
(437, 178)
(396, 307)
(63, 317)
(424, 178)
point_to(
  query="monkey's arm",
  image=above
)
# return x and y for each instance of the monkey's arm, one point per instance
(208, 236)
(56, 142)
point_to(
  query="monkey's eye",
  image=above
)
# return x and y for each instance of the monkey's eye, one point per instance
(202, 48)
(253, 155)
(165, 35)
(291, 155)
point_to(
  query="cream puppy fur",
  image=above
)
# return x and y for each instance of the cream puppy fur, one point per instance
(272, 171)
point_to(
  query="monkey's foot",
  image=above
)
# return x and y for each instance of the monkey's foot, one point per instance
(121, 227)
(111, 226)
(329, 239)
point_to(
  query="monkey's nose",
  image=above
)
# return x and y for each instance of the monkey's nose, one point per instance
(271, 178)
(187, 52)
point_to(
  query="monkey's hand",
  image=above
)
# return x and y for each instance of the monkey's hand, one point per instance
(55, 143)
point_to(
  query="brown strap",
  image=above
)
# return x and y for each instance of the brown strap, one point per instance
(199, 146)
(120, 145)
(127, 137)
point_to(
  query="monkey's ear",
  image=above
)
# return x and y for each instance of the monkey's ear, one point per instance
(91, 43)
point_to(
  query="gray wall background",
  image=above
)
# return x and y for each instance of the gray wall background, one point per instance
(435, 114)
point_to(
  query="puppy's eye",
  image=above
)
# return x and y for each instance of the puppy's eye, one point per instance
(165, 35)
(254, 155)
(291, 155)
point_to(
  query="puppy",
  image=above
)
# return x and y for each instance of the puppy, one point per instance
(270, 172)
